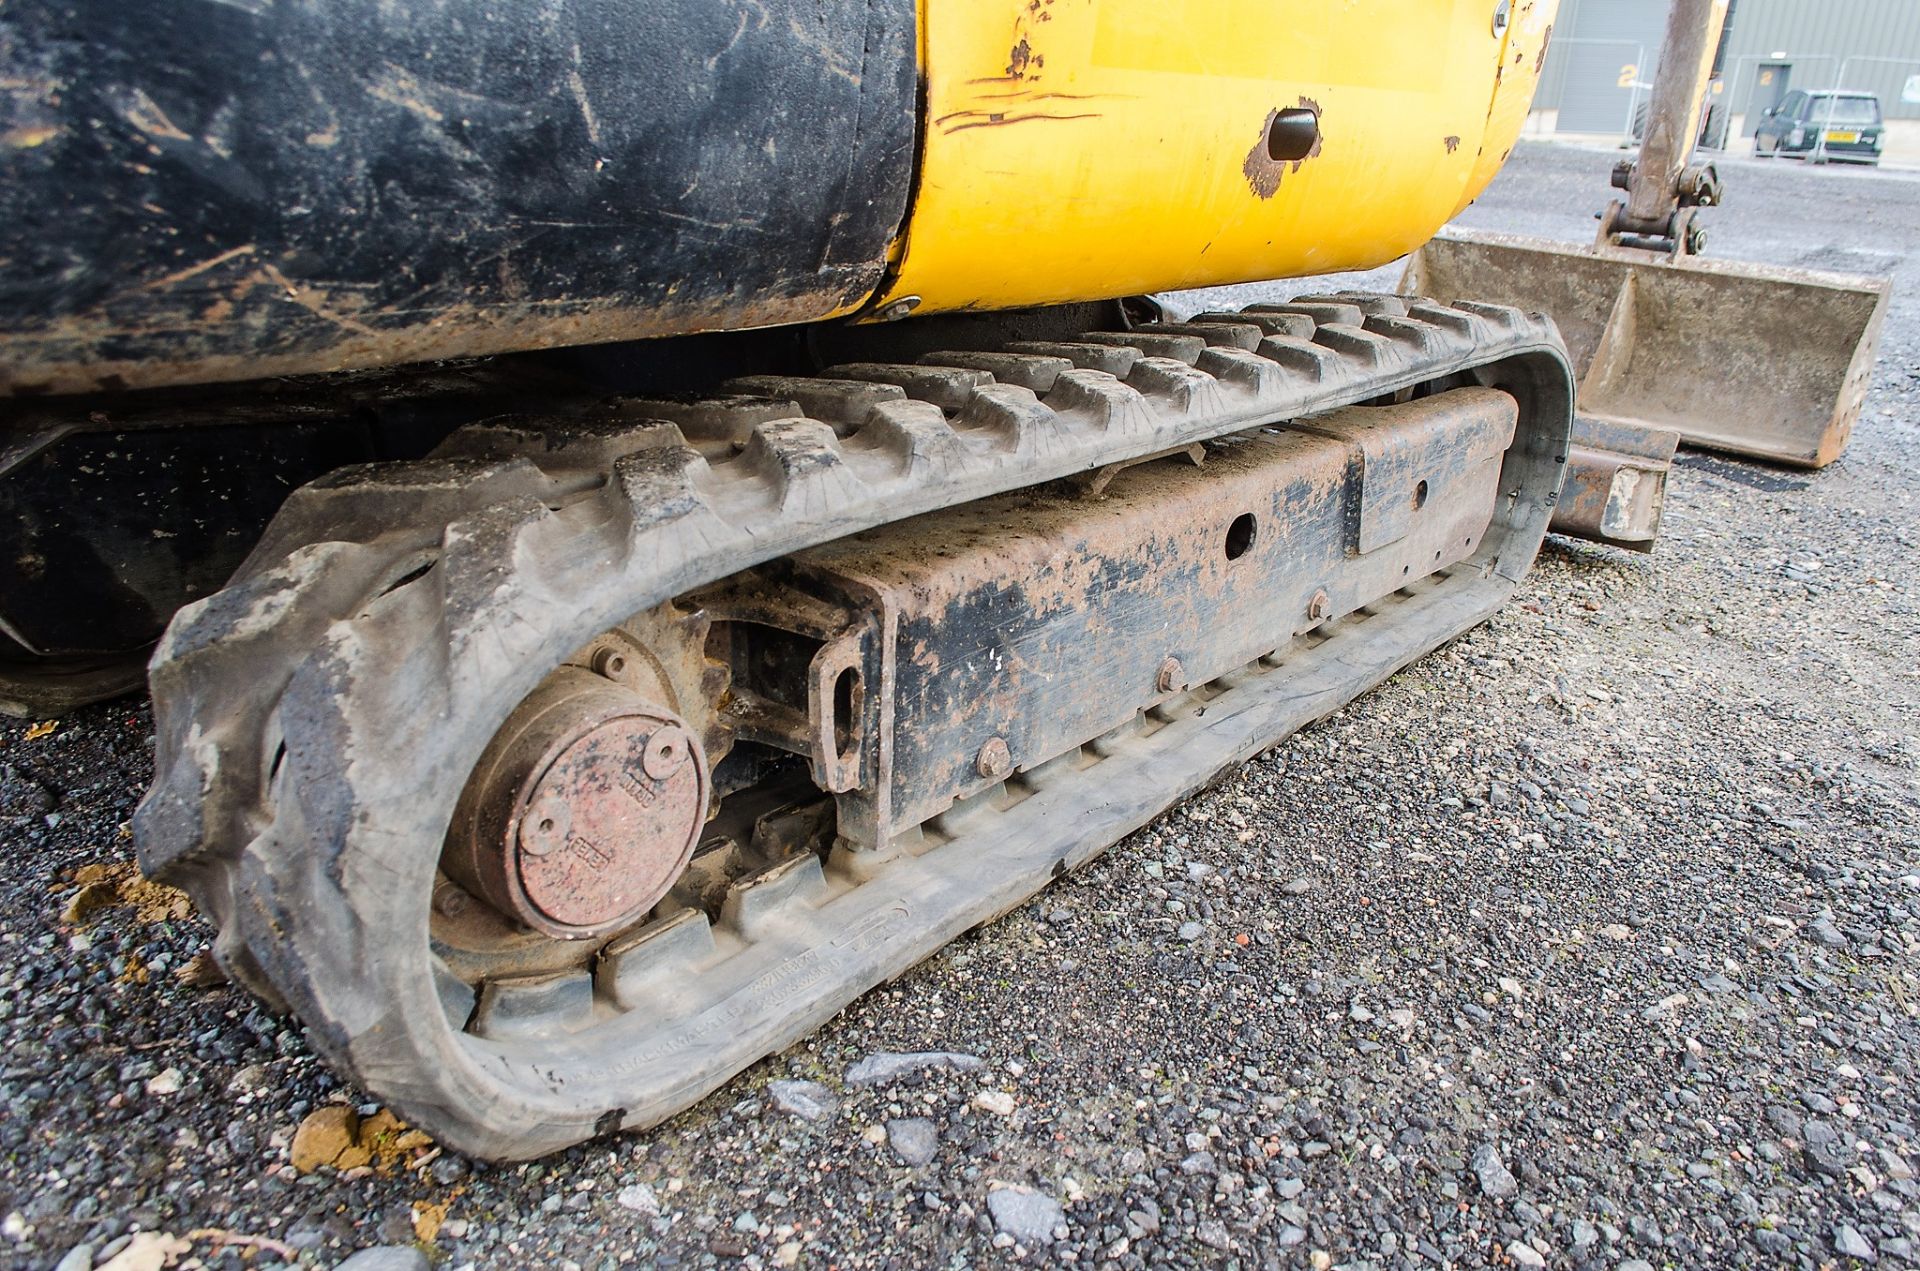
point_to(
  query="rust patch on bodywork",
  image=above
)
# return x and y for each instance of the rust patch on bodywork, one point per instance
(1262, 170)
(1451, 143)
(1019, 58)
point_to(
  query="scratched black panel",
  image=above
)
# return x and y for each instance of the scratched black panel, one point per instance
(197, 190)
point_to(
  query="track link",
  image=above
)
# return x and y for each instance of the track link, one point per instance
(318, 717)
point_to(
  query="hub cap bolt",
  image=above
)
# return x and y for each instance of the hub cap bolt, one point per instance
(995, 760)
(1172, 677)
(450, 901)
(666, 750)
(611, 663)
(545, 827)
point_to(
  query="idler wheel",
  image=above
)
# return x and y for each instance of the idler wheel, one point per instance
(583, 810)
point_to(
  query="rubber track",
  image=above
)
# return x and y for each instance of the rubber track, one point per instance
(317, 717)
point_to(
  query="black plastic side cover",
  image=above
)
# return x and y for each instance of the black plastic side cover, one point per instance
(202, 190)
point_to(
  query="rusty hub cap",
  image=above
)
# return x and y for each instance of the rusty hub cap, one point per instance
(584, 810)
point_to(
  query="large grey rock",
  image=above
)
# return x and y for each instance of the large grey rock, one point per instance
(1525, 1255)
(877, 1069)
(1824, 1150)
(1849, 1241)
(1032, 1218)
(386, 1258)
(913, 1140)
(1495, 1180)
(808, 1100)
(640, 1198)
(1200, 1163)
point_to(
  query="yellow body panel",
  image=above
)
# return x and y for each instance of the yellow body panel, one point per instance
(1520, 63)
(1077, 149)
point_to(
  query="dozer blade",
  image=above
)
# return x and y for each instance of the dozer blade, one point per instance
(1757, 360)
(1616, 484)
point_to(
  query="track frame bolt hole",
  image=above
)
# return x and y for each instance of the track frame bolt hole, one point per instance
(1241, 534)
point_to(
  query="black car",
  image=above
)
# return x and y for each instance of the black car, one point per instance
(1851, 122)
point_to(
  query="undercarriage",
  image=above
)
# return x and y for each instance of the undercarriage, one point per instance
(558, 776)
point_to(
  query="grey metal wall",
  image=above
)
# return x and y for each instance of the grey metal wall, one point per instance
(1822, 35)
(1606, 48)
(1822, 38)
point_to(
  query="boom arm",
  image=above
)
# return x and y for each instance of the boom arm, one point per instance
(1663, 186)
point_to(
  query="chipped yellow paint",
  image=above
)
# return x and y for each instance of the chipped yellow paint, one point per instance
(1520, 63)
(1087, 148)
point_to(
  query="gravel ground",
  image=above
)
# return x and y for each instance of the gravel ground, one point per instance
(1588, 941)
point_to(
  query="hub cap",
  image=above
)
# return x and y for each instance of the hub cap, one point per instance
(584, 810)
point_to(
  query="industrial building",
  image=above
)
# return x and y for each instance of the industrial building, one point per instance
(1605, 52)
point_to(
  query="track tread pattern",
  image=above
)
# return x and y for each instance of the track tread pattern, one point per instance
(313, 714)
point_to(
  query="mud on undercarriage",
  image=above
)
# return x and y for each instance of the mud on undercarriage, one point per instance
(556, 778)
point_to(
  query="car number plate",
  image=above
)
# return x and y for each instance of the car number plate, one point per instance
(1843, 136)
